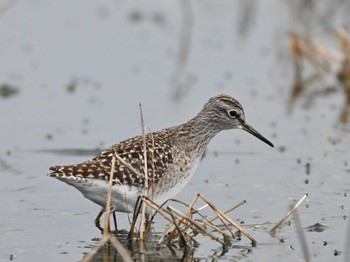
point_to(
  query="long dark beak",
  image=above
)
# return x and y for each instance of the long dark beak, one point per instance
(255, 133)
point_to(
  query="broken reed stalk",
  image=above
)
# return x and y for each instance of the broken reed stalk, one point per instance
(209, 224)
(229, 210)
(145, 192)
(106, 227)
(344, 43)
(195, 224)
(88, 256)
(272, 232)
(164, 212)
(128, 165)
(120, 248)
(228, 219)
(135, 214)
(176, 225)
(115, 243)
(151, 185)
(189, 213)
(225, 224)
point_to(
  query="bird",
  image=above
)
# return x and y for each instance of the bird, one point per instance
(172, 156)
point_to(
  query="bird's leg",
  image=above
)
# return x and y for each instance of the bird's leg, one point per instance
(115, 221)
(113, 210)
(97, 220)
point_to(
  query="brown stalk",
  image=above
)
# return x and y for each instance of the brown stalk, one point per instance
(120, 248)
(108, 202)
(156, 207)
(223, 221)
(145, 192)
(180, 232)
(188, 212)
(209, 224)
(229, 220)
(272, 232)
(229, 210)
(128, 165)
(88, 256)
(163, 212)
(195, 224)
(135, 214)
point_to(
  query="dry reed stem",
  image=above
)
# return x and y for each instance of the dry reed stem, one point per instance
(181, 233)
(272, 232)
(108, 201)
(145, 192)
(163, 212)
(128, 165)
(205, 222)
(309, 49)
(332, 59)
(196, 224)
(228, 219)
(305, 47)
(156, 207)
(88, 256)
(228, 210)
(134, 216)
(120, 248)
(153, 166)
(188, 212)
(208, 224)
(344, 43)
(115, 243)
(224, 223)
(160, 207)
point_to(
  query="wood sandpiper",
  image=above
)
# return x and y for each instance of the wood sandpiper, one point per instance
(173, 155)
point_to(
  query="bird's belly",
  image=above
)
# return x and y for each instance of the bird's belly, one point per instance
(123, 197)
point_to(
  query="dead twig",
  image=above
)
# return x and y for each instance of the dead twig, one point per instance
(108, 202)
(196, 224)
(145, 192)
(272, 232)
(219, 212)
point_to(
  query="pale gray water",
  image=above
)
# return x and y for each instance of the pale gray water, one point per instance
(116, 54)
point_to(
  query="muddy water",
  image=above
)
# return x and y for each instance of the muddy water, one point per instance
(81, 68)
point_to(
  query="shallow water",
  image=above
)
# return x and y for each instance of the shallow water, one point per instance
(82, 67)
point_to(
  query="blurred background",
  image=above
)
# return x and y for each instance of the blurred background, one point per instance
(72, 74)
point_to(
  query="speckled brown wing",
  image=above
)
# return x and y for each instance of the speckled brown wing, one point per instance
(159, 157)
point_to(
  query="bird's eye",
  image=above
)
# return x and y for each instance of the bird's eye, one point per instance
(232, 113)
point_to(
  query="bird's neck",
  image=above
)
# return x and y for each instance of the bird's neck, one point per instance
(197, 133)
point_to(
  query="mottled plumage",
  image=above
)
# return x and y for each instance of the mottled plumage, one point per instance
(172, 157)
